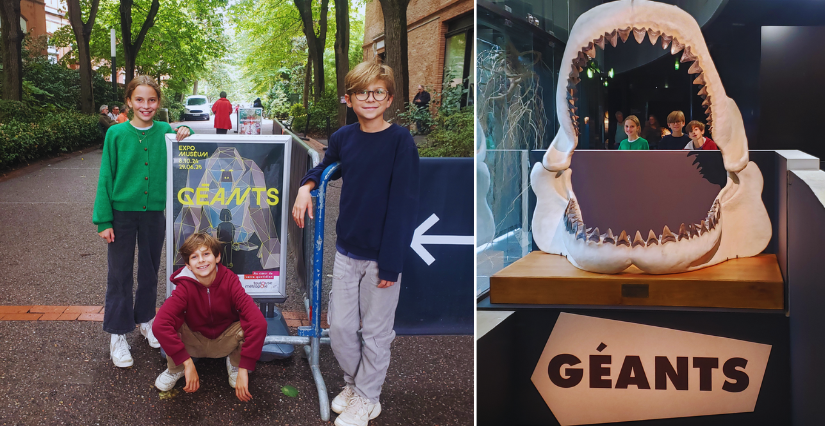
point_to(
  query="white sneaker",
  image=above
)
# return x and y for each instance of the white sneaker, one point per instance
(166, 381)
(146, 331)
(359, 412)
(119, 351)
(340, 403)
(233, 373)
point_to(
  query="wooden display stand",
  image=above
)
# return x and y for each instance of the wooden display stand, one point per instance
(541, 278)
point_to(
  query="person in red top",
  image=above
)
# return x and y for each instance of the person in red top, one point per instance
(222, 110)
(208, 315)
(698, 141)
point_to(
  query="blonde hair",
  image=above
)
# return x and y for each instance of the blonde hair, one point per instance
(366, 73)
(142, 80)
(695, 123)
(195, 242)
(675, 117)
(635, 121)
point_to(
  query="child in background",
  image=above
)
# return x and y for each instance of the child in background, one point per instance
(676, 139)
(208, 315)
(697, 137)
(378, 208)
(131, 196)
(632, 126)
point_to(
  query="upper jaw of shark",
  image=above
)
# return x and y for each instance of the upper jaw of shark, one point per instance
(558, 225)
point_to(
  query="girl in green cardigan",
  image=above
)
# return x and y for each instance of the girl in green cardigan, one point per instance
(632, 127)
(131, 196)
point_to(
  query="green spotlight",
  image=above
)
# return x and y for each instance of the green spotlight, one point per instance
(605, 83)
(676, 65)
(610, 73)
(589, 73)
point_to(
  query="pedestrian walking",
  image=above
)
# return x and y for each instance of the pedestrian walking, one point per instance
(131, 197)
(222, 110)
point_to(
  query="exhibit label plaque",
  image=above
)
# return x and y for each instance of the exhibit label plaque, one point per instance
(233, 188)
(595, 370)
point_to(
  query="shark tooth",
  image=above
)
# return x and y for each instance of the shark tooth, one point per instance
(666, 40)
(590, 50)
(703, 92)
(653, 35)
(580, 234)
(700, 80)
(574, 80)
(706, 102)
(639, 34)
(695, 68)
(623, 240)
(667, 236)
(624, 34)
(575, 118)
(600, 42)
(703, 227)
(683, 233)
(676, 47)
(574, 72)
(594, 236)
(652, 238)
(608, 237)
(687, 55)
(708, 111)
(637, 240)
(612, 38)
(573, 110)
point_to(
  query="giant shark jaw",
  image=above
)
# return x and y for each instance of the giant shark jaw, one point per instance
(737, 224)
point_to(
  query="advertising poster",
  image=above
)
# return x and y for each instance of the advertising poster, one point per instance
(234, 189)
(250, 120)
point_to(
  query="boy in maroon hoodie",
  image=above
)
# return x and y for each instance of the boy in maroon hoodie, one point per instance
(208, 315)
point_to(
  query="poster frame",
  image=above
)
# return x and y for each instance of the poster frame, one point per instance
(230, 140)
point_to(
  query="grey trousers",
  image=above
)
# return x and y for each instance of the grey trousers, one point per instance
(355, 301)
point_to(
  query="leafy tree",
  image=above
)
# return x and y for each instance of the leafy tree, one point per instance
(83, 33)
(315, 42)
(11, 39)
(132, 47)
(341, 53)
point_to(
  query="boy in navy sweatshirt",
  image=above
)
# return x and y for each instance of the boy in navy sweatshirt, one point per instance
(208, 315)
(378, 208)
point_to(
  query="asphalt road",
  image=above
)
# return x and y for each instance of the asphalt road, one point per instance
(59, 372)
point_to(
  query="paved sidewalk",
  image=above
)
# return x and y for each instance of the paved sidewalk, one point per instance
(59, 371)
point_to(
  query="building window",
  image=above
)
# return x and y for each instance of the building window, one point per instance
(458, 57)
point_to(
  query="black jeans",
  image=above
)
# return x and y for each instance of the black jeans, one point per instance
(148, 229)
(221, 131)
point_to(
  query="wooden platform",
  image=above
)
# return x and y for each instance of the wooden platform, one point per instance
(541, 278)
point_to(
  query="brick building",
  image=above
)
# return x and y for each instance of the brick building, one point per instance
(440, 40)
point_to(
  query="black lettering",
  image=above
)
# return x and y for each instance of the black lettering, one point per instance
(664, 371)
(741, 377)
(632, 373)
(574, 375)
(598, 372)
(705, 366)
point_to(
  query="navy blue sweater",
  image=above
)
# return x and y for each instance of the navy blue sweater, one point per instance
(379, 196)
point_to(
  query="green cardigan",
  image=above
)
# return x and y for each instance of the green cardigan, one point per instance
(132, 172)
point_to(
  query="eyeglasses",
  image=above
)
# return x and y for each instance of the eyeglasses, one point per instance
(378, 95)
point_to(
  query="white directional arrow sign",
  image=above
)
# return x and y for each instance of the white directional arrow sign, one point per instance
(419, 239)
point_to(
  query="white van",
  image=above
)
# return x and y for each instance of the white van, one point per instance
(196, 107)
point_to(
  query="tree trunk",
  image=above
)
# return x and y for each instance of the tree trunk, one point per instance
(82, 33)
(307, 81)
(11, 38)
(195, 88)
(131, 48)
(341, 54)
(315, 42)
(395, 48)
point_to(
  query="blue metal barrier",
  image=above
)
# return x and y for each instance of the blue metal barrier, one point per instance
(313, 336)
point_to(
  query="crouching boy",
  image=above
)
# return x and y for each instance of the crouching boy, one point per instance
(208, 315)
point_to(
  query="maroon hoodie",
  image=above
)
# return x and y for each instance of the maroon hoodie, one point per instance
(209, 311)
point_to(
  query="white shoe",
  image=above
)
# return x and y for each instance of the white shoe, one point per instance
(340, 403)
(146, 331)
(359, 412)
(119, 351)
(233, 373)
(166, 381)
